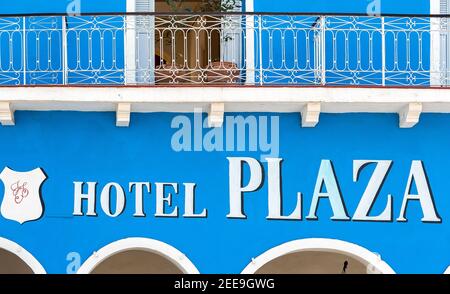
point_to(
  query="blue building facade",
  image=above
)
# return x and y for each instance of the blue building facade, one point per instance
(235, 196)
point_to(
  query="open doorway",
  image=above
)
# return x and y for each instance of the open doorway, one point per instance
(318, 256)
(183, 44)
(14, 259)
(138, 256)
(313, 262)
(188, 40)
(196, 48)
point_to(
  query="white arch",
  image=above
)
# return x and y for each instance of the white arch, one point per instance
(162, 249)
(447, 271)
(317, 244)
(23, 254)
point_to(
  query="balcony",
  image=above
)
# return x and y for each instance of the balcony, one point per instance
(249, 62)
(224, 49)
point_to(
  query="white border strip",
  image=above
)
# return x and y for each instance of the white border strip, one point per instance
(317, 244)
(165, 250)
(23, 254)
(241, 99)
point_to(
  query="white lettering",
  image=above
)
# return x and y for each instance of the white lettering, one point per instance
(275, 197)
(79, 197)
(236, 178)
(373, 189)
(417, 175)
(105, 200)
(162, 199)
(327, 179)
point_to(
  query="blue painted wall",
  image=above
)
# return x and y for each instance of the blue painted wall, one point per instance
(72, 146)
(388, 6)
(60, 6)
(356, 6)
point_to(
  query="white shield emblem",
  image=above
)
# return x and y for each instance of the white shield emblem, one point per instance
(22, 200)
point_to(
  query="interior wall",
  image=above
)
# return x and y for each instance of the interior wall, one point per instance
(12, 264)
(313, 262)
(136, 262)
(161, 5)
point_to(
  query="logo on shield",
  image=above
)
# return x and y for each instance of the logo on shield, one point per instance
(22, 198)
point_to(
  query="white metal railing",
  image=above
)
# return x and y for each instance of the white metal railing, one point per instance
(231, 49)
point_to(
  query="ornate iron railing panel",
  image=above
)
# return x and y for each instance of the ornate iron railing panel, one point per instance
(229, 49)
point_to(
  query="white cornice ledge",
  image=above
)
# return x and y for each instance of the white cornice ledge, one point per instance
(409, 103)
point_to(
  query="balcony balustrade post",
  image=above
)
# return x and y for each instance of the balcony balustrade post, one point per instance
(130, 50)
(261, 72)
(24, 45)
(64, 49)
(322, 47)
(250, 49)
(383, 52)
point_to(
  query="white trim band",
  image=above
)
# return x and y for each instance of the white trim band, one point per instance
(271, 99)
(408, 102)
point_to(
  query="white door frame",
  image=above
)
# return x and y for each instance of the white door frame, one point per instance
(139, 60)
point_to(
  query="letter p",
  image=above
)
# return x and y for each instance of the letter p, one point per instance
(236, 183)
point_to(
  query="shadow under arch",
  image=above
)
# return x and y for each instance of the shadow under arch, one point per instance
(361, 254)
(23, 254)
(143, 244)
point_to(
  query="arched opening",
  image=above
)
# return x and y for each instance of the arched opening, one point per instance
(313, 262)
(318, 256)
(12, 264)
(14, 259)
(136, 262)
(138, 256)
